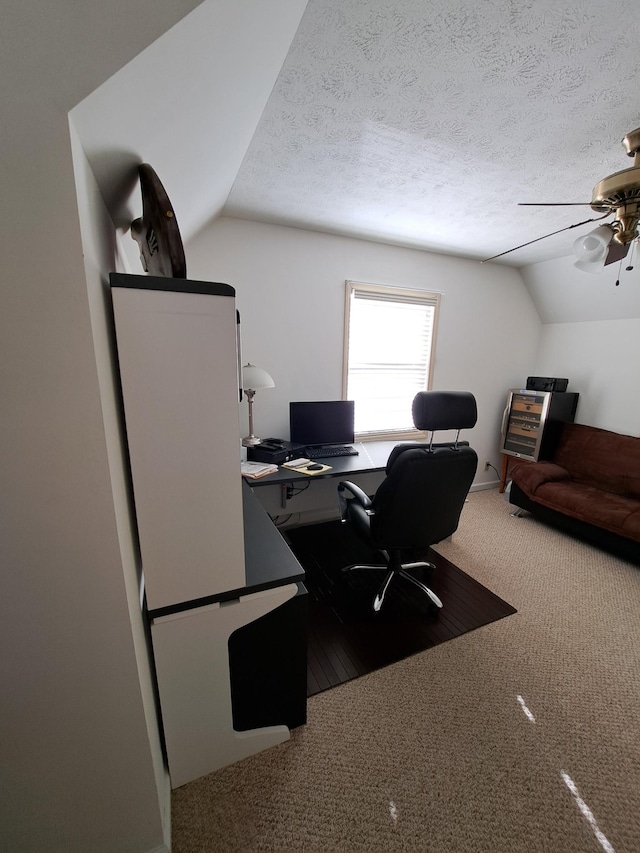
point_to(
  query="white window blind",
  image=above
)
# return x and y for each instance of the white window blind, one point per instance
(389, 343)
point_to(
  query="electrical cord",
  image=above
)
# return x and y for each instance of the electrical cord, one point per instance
(292, 491)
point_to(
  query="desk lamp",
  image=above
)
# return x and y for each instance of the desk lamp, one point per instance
(253, 379)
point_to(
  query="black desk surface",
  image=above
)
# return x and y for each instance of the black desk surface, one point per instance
(268, 559)
(372, 456)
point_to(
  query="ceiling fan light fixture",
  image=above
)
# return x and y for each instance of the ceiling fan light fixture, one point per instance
(594, 268)
(591, 249)
(617, 195)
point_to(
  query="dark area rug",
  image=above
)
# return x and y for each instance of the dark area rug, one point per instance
(346, 638)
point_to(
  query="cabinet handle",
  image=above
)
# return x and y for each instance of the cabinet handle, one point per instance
(503, 427)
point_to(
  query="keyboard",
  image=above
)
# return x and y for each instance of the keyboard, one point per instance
(328, 451)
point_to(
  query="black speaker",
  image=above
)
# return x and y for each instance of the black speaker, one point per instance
(546, 383)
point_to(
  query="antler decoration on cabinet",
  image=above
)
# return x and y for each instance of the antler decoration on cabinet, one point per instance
(157, 232)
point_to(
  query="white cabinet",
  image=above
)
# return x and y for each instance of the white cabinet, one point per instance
(178, 356)
(178, 353)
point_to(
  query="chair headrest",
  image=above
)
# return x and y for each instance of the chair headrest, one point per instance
(436, 410)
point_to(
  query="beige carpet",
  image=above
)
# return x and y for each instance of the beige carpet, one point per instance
(520, 736)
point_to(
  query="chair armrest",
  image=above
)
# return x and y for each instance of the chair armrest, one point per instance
(358, 495)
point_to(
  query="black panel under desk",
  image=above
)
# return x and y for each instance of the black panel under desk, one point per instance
(268, 667)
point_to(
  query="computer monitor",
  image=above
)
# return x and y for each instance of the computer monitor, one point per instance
(323, 422)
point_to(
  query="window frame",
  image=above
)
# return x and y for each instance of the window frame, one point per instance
(428, 297)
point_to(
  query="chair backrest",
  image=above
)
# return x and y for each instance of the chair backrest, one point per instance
(420, 501)
(439, 410)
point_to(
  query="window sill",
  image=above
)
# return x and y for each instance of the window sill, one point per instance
(404, 435)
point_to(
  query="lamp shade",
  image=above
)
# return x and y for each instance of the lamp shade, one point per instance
(254, 378)
(591, 250)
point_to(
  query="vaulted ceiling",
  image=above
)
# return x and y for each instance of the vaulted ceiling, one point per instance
(419, 124)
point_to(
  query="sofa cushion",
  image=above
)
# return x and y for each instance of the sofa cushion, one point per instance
(603, 509)
(597, 457)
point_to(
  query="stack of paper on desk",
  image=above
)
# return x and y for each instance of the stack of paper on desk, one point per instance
(254, 470)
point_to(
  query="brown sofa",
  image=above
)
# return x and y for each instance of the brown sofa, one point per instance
(590, 488)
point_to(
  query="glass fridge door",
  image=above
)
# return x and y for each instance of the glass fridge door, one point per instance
(523, 423)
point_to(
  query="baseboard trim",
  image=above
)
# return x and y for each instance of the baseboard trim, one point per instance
(479, 487)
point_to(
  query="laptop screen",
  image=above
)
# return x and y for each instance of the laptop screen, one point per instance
(325, 422)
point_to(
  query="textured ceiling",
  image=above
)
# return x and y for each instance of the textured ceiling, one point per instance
(425, 123)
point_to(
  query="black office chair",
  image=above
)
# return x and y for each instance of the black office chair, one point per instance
(419, 502)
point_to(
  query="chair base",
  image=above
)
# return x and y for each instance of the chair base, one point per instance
(401, 572)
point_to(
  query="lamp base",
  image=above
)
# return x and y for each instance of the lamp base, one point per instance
(251, 441)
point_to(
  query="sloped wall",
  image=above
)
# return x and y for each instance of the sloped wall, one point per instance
(591, 335)
(602, 361)
(77, 775)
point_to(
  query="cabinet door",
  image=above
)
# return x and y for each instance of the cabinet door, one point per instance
(178, 364)
(192, 668)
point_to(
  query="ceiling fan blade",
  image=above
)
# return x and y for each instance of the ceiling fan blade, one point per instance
(616, 252)
(537, 240)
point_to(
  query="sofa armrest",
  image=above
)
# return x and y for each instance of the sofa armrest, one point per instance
(529, 477)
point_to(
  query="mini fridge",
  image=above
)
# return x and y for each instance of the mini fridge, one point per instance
(532, 422)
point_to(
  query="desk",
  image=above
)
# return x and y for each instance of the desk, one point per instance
(232, 670)
(372, 456)
(320, 501)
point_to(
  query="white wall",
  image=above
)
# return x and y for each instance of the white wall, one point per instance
(601, 360)
(76, 768)
(290, 285)
(102, 253)
(188, 105)
(76, 761)
(563, 294)
(591, 335)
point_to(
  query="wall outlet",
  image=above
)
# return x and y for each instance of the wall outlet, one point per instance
(487, 465)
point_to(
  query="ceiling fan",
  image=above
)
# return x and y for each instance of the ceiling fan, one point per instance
(617, 195)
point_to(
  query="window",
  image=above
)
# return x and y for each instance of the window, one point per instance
(389, 345)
